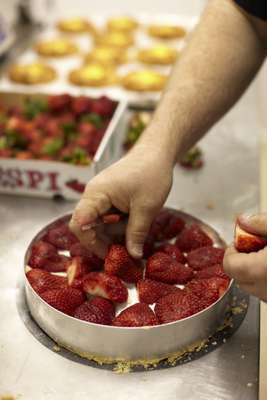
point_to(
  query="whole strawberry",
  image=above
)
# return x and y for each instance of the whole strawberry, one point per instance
(65, 300)
(162, 267)
(90, 313)
(41, 250)
(176, 306)
(118, 262)
(103, 285)
(150, 291)
(77, 268)
(137, 315)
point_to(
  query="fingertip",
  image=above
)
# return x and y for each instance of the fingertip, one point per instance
(135, 249)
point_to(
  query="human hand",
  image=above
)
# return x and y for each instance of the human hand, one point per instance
(249, 270)
(137, 185)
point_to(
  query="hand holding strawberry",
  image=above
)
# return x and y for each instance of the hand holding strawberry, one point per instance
(246, 262)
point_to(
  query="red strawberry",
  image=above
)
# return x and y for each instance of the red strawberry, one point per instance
(220, 284)
(175, 226)
(214, 270)
(56, 263)
(118, 262)
(139, 314)
(149, 247)
(192, 238)
(78, 250)
(103, 285)
(77, 268)
(166, 226)
(162, 267)
(176, 306)
(65, 300)
(247, 242)
(39, 252)
(208, 290)
(59, 102)
(104, 106)
(205, 257)
(81, 105)
(61, 237)
(105, 305)
(150, 291)
(90, 313)
(173, 251)
(42, 280)
(77, 284)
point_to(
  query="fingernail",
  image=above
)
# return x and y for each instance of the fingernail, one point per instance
(246, 217)
(136, 250)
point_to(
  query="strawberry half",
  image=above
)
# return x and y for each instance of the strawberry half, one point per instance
(173, 251)
(162, 267)
(176, 306)
(103, 285)
(41, 280)
(205, 257)
(192, 237)
(210, 272)
(166, 226)
(247, 242)
(77, 268)
(150, 291)
(118, 262)
(139, 314)
(90, 313)
(61, 237)
(41, 250)
(78, 250)
(65, 300)
(208, 290)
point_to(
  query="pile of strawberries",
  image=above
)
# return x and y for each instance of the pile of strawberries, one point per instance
(62, 128)
(173, 281)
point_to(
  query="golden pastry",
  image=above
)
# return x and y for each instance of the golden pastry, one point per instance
(115, 39)
(75, 25)
(144, 81)
(106, 56)
(32, 73)
(158, 54)
(58, 47)
(122, 24)
(95, 75)
(166, 31)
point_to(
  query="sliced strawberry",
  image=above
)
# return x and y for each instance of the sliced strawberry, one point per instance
(166, 226)
(65, 300)
(176, 306)
(214, 270)
(162, 267)
(173, 251)
(247, 242)
(39, 252)
(91, 313)
(78, 250)
(41, 280)
(208, 290)
(205, 257)
(77, 284)
(106, 307)
(61, 237)
(150, 291)
(56, 263)
(103, 285)
(192, 237)
(77, 268)
(139, 314)
(118, 262)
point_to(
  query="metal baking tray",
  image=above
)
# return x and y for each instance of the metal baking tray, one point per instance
(50, 178)
(85, 43)
(109, 344)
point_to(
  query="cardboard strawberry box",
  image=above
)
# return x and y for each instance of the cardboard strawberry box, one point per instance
(53, 145)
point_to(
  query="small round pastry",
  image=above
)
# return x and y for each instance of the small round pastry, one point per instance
(94, 75)
(58, 47)
(105, 55)
(158, 54)
(122, 24)
(166, 31)
(75, 25)
(115, 39)
(144, 81)
(31, 74)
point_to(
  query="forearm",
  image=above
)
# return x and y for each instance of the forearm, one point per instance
(221, 59)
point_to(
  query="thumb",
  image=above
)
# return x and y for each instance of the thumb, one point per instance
(140, 219)
(256, 223)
